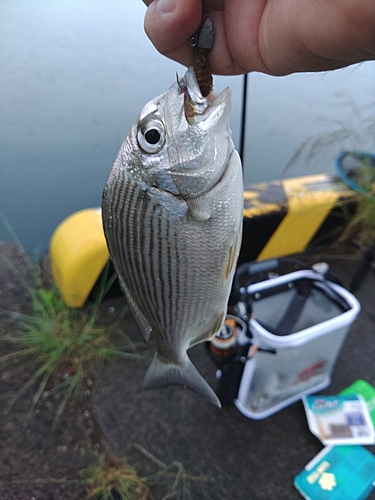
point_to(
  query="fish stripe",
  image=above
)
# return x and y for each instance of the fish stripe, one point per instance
(128, 197)
(170, 305)
(153, 273)
(162, 275)
(153, 253)
(163, 270)
(145, 253)
(149, 264)
(168, 218)
(140, 266)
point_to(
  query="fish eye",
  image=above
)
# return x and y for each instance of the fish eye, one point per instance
(151, 135)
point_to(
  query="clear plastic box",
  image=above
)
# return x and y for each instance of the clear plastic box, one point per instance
(299, 323)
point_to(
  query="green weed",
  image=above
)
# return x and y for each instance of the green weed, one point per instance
(362, 225)
(65, 345)
(317, 152)
(112, 478)
(175, 480)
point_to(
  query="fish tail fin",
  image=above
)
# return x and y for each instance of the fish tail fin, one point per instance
(161, 374)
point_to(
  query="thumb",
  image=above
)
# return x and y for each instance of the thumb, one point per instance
(170, 24)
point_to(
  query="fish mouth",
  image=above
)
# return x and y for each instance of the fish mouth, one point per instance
(195, 104)
(199, 141)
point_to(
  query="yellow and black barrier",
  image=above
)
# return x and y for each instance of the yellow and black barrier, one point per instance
(280, 218)
(284, 217)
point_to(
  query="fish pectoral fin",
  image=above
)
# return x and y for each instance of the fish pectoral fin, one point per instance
(141, 321)
(161, 374)
(198, 209)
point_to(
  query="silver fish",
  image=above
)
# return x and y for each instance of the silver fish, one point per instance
(172, 216)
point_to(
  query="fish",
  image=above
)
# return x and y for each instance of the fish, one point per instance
(172, 217)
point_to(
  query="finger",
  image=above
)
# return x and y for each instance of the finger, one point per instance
(220, 58)
(235, 49)
(209, 5)
(170, 24)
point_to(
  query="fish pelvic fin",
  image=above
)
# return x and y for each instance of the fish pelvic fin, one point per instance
(161, 374)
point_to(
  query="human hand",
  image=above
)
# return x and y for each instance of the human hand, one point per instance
(277, 37)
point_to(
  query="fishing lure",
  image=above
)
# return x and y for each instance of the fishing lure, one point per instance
(202, 42)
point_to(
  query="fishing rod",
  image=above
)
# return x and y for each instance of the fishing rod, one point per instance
(243, 118)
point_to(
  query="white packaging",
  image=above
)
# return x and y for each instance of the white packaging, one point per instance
(339, 420)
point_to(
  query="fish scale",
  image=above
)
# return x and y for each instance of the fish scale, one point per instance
(172, 216)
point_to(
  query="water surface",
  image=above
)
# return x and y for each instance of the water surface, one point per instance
(74, 76)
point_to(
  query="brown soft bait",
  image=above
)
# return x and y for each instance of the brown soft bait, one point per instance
(202, 41)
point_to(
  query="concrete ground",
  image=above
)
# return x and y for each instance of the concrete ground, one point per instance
(229, 455)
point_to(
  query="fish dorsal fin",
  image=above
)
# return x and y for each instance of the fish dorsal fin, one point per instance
(140, 319)
(161, 374)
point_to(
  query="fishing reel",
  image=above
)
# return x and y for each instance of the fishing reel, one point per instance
(234, 345)
(230, 349)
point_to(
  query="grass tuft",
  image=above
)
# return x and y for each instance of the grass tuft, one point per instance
(113, 478)
(362, 225)
(317, 153)
(65, 345)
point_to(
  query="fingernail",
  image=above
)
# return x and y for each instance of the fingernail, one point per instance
(166, 6)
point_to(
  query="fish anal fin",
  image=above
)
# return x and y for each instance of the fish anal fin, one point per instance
(230, 262)
(214, 328)
(233, 252)
(141, 321)
(218, 324)
(161, 374)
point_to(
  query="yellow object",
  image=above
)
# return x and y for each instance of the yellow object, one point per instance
(78, 252)
(280, 218)
(307, 210)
